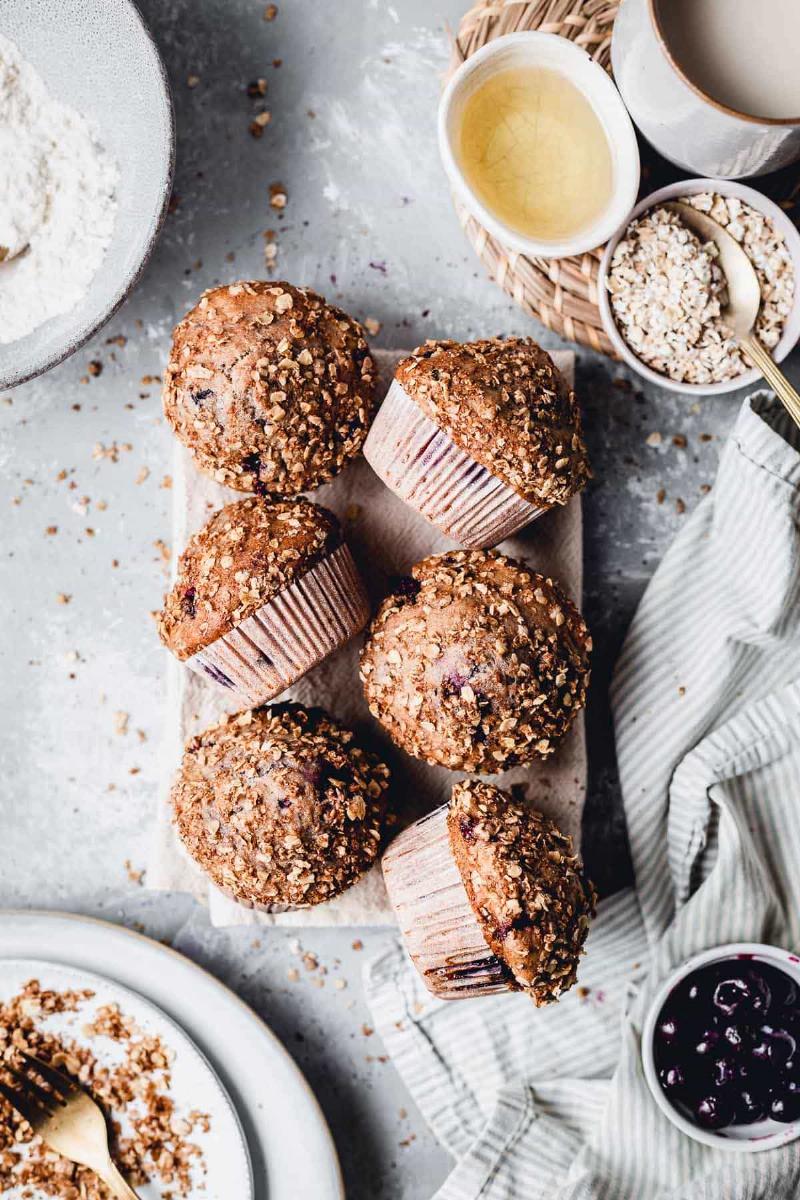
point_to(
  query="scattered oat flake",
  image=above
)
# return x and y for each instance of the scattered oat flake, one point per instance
(163, 549)
(277, 195)
(144, 473)
(121, 722)
(680, 507)
(654, 439)
(293, 974)
(192, 81)
(372, 326)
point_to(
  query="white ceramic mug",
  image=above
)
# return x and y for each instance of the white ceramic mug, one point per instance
(682, 122)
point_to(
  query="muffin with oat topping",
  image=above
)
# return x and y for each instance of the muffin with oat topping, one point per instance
(490, 897)
(281, 806)
(265, 591)
(269, 387)
(480, 438)
(476, 662)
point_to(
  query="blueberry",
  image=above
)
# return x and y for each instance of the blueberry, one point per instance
(730, 995)
(724, 1072)
(404, 588)
(668, 1029)
(737, 1037)
(672, 1079)
(708, 1042)
(751, 1106)
(785, 1106)
(714, 1111)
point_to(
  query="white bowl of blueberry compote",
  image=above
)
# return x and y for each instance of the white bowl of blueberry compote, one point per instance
(721, 1047)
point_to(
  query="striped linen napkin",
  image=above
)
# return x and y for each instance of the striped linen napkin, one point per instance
(552, 1104)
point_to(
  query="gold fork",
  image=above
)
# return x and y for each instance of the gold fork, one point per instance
(66, 1118)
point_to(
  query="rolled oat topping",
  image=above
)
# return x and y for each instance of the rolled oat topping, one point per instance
(269, 387)
(280, 806)
(505, 404)
(476, 662)
(248, 552)
(525, 884)
(668, 290)
(154, 1144)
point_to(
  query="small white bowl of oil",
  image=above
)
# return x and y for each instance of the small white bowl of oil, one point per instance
(538, 145)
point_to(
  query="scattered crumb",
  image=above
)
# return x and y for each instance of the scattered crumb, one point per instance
(270, 12)
(63, 598)
(95, 367)
(121, 722)
(192, 81)
(144, 473)
(133, 875)
(372, 326)
(680, 507)
(654, 439)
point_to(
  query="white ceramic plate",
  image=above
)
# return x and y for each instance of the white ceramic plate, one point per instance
(99, 58)
(193, 1084)
(290, 1146)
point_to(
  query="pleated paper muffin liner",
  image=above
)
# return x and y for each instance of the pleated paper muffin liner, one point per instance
(423, 466)
(294, 631)
(441, 931)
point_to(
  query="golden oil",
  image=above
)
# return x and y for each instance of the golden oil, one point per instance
(535, 153)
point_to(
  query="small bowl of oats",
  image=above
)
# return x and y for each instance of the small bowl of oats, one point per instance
(661, 288)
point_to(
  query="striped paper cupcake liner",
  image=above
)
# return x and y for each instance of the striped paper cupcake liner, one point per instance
(423, 466)
(442, 934)
(293, 632)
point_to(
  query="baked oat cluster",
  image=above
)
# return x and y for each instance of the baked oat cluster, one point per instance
(526, 886)
(158, 1147)
(248, 552)
(504, 402)
(476, 662)
(280, 806)
(270, 387)
(668, 290)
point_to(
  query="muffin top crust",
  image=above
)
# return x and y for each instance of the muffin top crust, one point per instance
(280, 805)
(248, 552)
(476, 662)
(505, 404)
(270, 387)
(526, 885)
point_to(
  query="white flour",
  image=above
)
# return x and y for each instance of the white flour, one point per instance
(57, 196)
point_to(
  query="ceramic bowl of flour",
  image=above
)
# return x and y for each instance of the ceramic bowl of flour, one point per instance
(86, 159)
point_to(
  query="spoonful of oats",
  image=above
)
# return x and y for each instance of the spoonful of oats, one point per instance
(742, 301)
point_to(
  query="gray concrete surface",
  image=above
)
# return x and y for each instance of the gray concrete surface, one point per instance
(369, 223)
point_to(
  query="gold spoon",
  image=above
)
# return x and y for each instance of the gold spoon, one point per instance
(744, 300)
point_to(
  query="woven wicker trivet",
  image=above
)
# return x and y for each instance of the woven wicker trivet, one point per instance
(562, 292)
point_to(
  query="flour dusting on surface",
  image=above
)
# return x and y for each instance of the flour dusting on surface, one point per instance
(57, 198)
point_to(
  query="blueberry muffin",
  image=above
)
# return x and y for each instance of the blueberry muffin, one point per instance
(269, 387)
(480, 437)
(265, 591)
(281, 806)
(476, 662)
(490, 897)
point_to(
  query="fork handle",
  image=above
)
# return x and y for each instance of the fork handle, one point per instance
(116, 1184)
(774, 376)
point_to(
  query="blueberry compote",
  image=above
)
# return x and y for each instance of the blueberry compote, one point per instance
(727, 1044)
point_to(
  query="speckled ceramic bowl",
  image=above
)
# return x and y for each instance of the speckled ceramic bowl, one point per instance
(100, 59)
